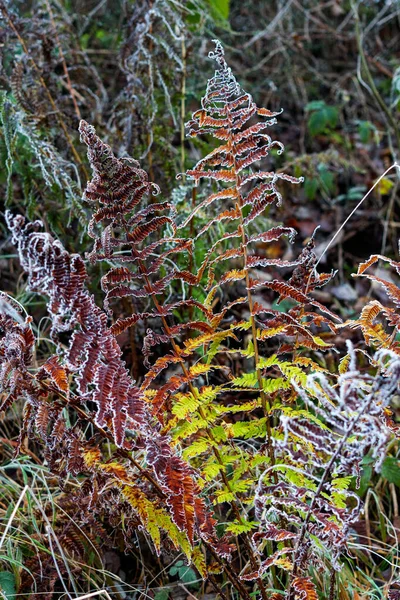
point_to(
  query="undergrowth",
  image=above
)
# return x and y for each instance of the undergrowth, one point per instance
(240, 442)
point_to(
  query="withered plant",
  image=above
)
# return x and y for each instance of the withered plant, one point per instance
(235, 445)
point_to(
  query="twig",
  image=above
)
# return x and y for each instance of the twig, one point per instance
(371, 83)
(332, 584)
(183, 105)
(270, 27)
(393, 166)
(65, 68)
(93, 594)
(8, 17)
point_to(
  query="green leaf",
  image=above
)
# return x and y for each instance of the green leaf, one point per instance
(339, 499)
(311, 187)
(315, 105)
(249, 429)
(197, 447)
(7, 585)
(284, 305)
(322, 117)
(224, 496)
(174, 570)
(327, 178)
(331, 116)
(237, 528)
(218, 434)
(186, 574)
(316, 123)
(211, 471)
(219, 9)
(194, 15)
(365, 129)
(298, 479)
(342, 483)
(249, 352)
(162, 595)
(274, 385)
(353, 194)
(391, 470)
(246, 380)
(185, 405)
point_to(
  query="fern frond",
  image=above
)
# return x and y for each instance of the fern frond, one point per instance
(329, 435)
(373, 331)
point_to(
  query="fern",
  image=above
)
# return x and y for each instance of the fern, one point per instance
(317, 509)
(233, 427)
(243, 193)
(373, 330)
(153, 62)
(94, 358)
(16, 352)
(93, 354)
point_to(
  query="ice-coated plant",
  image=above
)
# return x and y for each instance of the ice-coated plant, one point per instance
(235, 445)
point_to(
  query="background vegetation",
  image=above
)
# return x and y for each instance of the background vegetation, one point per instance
(136, 70)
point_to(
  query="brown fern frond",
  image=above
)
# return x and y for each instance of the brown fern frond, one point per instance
(57, 373)
(285, 290)
(94, 360)
(273, 533)
(225, 114)
(375, 332)
(129, 236)
(93, 354)
(126, 234)
(16, 349)
(304, 589)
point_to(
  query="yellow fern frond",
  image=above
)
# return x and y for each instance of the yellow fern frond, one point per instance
(197, 447)
(201, 340)
(264, 334)
(154, 519)
(91, 456)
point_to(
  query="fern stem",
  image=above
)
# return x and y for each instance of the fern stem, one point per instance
(191, 259)
(241, 229)
(264, 401)
(135, 357)
(217, 587)
(193, 391)
(216, 452)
